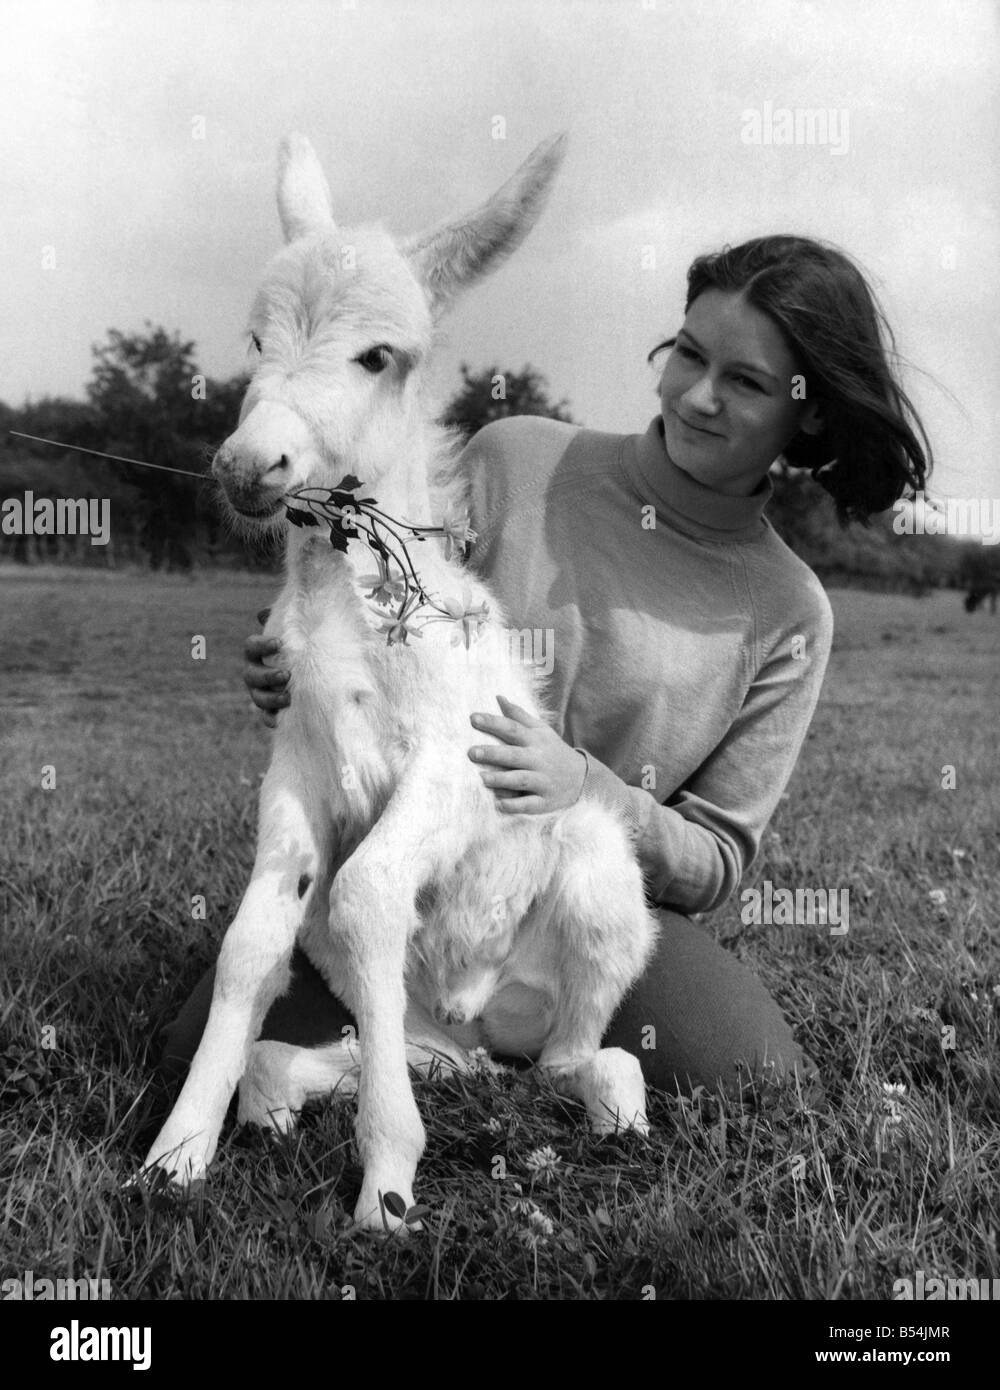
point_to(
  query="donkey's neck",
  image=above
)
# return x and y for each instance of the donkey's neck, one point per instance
(405, 475)
(403, 494)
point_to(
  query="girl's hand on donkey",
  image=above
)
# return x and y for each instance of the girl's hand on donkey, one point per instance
(533, 770)
(268, 687)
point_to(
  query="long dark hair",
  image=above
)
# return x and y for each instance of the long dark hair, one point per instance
(873, 448)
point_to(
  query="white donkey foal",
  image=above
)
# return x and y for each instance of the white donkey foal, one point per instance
(440, 921)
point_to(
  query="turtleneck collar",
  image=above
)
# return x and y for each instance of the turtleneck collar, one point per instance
(683, 502)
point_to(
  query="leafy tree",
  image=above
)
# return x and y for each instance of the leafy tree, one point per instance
(155, 405)
(494, 395)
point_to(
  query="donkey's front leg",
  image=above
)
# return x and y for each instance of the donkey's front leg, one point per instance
(373, 909)
(252, 971)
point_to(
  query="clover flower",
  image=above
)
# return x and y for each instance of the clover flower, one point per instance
(892, 1095)
(543, 1163)
(481, 1063)
(539, 1228)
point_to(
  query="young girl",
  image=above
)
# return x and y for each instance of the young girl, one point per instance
(688, 643)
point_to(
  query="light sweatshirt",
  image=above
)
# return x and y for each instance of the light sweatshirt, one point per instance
(688, 641)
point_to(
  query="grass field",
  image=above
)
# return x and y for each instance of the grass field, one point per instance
(157, 758)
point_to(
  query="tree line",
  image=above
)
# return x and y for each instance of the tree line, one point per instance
(147, 399)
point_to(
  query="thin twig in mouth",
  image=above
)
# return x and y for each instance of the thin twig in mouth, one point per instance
(115, 458)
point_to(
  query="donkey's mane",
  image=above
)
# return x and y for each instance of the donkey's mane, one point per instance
(448, 477)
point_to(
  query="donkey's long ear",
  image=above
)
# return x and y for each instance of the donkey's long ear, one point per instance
(304, 201)
(452, 256)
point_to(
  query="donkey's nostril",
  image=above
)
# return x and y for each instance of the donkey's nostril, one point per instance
(282, 466)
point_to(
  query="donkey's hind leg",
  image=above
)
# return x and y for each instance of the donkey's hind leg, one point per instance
(611, 1086)
(281, 1077)
(603, 934)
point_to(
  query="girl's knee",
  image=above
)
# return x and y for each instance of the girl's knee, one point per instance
(174, 1057)
(701, 1017)
(307, 1015)
(179, 1039)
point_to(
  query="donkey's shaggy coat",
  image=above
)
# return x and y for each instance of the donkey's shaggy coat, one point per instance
(441, 921)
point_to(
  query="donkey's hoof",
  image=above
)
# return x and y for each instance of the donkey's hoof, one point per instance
(258, 1110)
(163, 1177)
(157, 1181)
(180, 1166)
(270, 1096)
(613, 1126)
(383, 1213)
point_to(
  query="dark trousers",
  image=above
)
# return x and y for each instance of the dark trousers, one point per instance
(695, 1015)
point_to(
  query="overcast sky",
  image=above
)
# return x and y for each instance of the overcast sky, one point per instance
(102, 103)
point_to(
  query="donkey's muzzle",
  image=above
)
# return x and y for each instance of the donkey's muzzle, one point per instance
(252, 494)
(265, 458)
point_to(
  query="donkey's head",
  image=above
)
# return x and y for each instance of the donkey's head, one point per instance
(341, 325)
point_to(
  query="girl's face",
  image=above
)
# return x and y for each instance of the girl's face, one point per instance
(726, 394)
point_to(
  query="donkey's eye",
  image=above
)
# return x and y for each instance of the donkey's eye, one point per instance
(376, 359)
(256, 342)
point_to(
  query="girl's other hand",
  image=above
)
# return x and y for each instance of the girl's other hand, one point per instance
(268, 687)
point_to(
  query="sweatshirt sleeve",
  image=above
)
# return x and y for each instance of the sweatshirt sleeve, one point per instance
(695, 848)
(481, 471)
